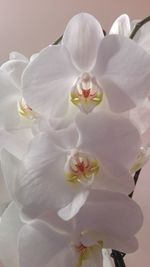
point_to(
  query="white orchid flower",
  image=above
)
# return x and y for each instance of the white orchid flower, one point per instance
(124, 26)
(16, 143)
(14, 111)
(82, 242)
(14, 67)
(100, 224)
(15, 123)
(10, 227)
(61, 166)
(14, 129)
(87, 70)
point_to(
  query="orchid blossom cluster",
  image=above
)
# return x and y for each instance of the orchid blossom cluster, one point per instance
(72, 122)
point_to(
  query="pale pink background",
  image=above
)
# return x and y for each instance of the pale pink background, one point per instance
(29, 25)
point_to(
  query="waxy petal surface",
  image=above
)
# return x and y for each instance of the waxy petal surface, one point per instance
(82, 37)
(123, 68)
(47, 81)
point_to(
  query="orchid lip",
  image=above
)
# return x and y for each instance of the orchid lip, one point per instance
(81, 167)
(24, 110)
(86, 94)
(85, 251)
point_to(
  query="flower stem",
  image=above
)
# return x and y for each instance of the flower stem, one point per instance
(118, 258)
(138, 26)
(58, 40)
(136, 176)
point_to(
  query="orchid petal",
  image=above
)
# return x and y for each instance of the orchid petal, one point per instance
(73, 208)
(47, 81)
(142, 36)
(141, 116)
(122, 182)
(105, 135)
(126, 245)
(4, 194)
(123, 68)
(121, 26)
(14, 69)
(38, 244)
(65, 256)
(43, 171)
(10, 166)
(16, 142)
(123, 213)
(17, 56)
(9, 228)
(51, 217)
(82, 37)
(66, 138)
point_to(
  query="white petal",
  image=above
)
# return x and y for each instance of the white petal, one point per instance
(111, 138)
(17, 56)
(34, 56)
(73, 208)
(14, 69)
(42, 183)
(122, 221)
(38, 244)
(121, 26)
(123, 68)
(51, 217)
(10, 166)
(141, 116)
(65, 257)
(66, 138)
(126, 245)
(121, 180)
(142, 36)
(16, 143)
(4, 194)
(47, 81)
(9, 229)
(82, 37)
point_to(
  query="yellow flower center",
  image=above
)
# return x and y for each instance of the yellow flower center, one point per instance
(24, 110)
(86, 93)
(80, 167)
(84, 253)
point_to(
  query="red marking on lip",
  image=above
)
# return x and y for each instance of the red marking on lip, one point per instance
(86, 92)
(80, 166)
(80, 248)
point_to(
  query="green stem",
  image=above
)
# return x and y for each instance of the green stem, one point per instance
(58, 40)
(138, 26)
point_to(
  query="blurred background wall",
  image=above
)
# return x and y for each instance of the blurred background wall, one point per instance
(27, 26)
